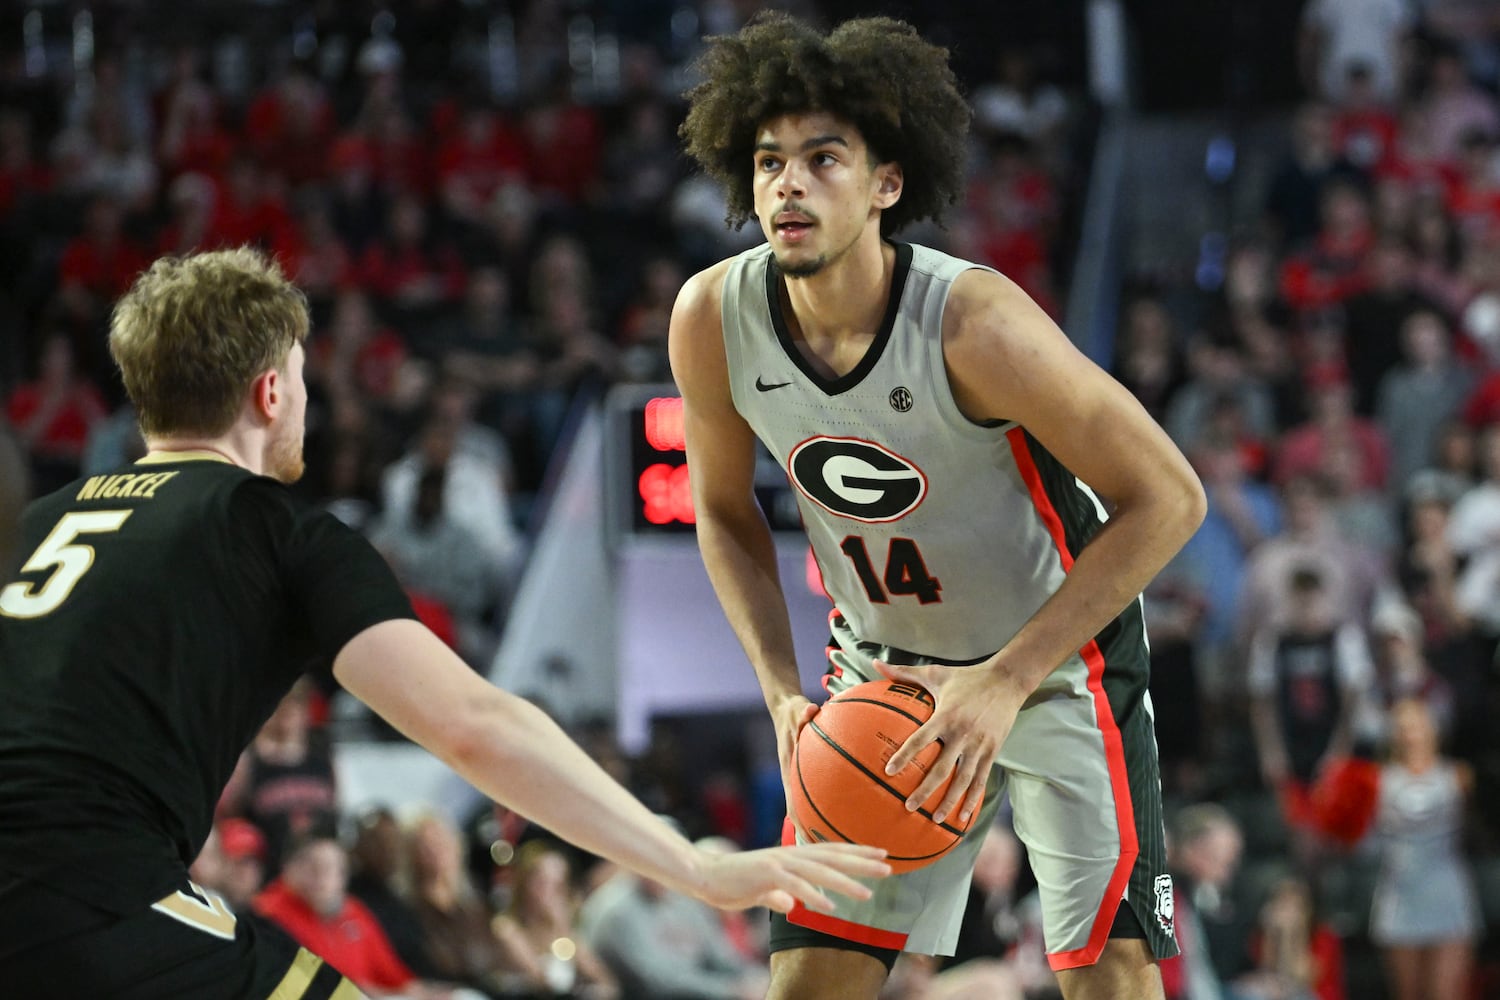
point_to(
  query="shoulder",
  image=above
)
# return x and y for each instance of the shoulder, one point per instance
(985, 310)
(259, 500)
(702, 294)
(695, 336)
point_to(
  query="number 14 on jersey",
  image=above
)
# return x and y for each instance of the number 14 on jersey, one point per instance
(905, 572)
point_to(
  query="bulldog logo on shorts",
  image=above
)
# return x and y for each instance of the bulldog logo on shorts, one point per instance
(1164, 902)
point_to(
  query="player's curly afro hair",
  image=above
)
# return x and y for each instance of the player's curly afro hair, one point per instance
(875, 72)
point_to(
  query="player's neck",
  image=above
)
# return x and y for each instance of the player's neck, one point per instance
(227, 447)
(848, 297)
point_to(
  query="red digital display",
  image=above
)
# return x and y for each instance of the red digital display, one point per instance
(660, 496)
(666, 496)
(664, 424)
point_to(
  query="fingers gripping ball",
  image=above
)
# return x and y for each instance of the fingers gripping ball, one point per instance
(840, 791)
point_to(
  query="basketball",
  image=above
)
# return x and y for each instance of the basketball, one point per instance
(840, 792)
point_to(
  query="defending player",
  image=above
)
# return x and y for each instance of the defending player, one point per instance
(946, 442)
(161, 614)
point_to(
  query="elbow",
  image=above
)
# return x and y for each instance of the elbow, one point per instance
(470, 740)
(1192, 505)
(1172, 506)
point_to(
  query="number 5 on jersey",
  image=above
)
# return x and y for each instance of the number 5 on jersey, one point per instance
(905, 573)
(65, 557)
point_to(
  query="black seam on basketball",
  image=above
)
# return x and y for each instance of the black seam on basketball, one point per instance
(807, 796)
(872, 775)
(883, 704)
(849, 840)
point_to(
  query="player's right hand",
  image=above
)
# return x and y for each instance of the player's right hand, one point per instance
(789, 722)
(778, 877)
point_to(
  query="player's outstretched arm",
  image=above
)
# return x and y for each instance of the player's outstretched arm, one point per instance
(511, 750)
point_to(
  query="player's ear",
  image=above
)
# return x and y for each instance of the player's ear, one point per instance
(266, 394)
(888, 184)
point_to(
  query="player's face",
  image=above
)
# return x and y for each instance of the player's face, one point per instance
(816, 190)
(284, 462)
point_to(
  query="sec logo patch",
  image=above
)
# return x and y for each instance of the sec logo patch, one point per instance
(856, 479)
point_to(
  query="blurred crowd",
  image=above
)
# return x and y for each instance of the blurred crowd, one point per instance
(1324, 650)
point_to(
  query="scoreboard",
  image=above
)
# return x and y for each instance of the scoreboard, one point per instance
(649, 484)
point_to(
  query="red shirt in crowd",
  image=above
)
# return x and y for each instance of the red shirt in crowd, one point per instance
(477, 161)
(389, 271)
(564, 144)
(1327, 273)
(105, 269)
(68, 430)
(352, 940)
(289, 128)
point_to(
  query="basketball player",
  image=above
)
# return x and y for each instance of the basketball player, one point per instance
(952, 453)
(163, 611)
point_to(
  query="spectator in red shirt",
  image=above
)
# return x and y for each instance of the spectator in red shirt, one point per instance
(53, 414)
(99, 265)
(289, 126)
(312, 253)
(1334, 425)
(1297, 954)
(564, 146)
(191, 137)
(399, 155)
(472, 163)
(1474, 197)
(250, 210)
(409, 267)
(22, 175)
(359, 354)
(1332, 268)
(311, 903)
(1365, 131)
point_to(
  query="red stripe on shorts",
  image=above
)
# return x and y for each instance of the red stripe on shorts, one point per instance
(833, 926)
(1114, 749)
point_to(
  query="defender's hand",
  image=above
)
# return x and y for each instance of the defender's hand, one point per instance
(777, 877)
(975, 710)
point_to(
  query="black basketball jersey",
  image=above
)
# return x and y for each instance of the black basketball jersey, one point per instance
(157, 617)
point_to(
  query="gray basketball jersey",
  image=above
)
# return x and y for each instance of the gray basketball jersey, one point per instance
(934, 534)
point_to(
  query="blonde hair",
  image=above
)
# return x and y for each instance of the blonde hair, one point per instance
(529, 857)
(193, 333)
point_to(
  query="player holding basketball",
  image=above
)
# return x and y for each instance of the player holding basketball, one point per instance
(947, 442)
(162, 613)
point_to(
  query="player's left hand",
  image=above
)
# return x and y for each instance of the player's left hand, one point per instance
(778, 877)
(975, 709)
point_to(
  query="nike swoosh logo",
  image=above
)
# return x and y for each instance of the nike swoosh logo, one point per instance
(764, 386)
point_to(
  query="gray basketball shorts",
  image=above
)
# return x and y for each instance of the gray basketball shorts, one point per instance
(1081, 771)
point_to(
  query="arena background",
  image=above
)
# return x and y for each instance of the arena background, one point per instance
(1244, 210)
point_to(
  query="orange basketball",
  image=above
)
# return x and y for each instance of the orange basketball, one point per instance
(840, 791)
